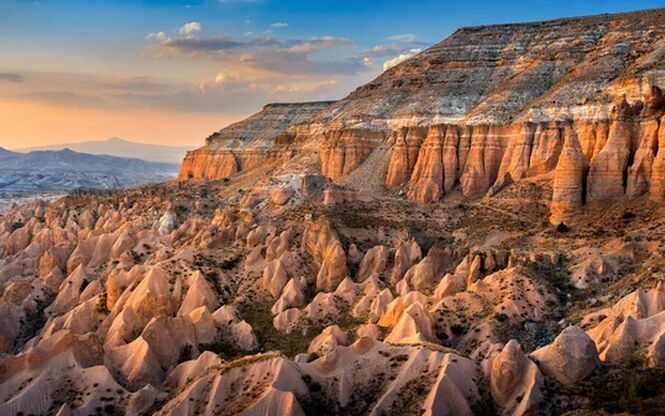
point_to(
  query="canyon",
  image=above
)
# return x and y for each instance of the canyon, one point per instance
(478, 231)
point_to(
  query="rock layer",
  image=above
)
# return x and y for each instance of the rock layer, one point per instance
(488, 106)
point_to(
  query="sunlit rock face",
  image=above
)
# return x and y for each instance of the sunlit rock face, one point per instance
(484, 108)
(389, 253)
(250, 142)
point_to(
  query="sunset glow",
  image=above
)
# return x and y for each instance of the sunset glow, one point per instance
(174, 71)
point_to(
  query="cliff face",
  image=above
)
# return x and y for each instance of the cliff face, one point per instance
(247, 143)
(575, 99)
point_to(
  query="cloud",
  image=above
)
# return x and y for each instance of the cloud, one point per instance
(265, 53)
(11, 77)
(190, 28)
(228, 89)
(279, 25)
(406, 37)
(220, 78)
(400, 58)
(236, 95)
(138, 83)
(157, 35)
(402, 44)
(403, 47)
(195, 45)
(66, 98)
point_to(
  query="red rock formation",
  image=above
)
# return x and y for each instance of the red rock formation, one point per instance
(569, 178)
(426, 183)
(344, 150)
(607, 171)
(639, 173)
(486, 107)
(247, 143)
(406, 144)
(657, 188)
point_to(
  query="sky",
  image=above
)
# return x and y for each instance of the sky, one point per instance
(172, 72)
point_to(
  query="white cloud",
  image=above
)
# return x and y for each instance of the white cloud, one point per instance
(161, 36)
(279, 25)
(400, 58)
(405, 37)
(190, 28)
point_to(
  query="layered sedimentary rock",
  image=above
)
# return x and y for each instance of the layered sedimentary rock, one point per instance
(568, 190)
(344, 150)
(249, 142)
(486, 107)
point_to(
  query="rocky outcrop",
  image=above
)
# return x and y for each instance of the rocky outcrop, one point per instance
(484, 108)
(634, 325)
(246, 144)
(515, 381)
(568, 189)
(406, 144)
(321, 241)
(607, 170)
(570, 358)
(344, 150)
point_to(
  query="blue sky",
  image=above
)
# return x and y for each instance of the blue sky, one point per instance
(175, 70)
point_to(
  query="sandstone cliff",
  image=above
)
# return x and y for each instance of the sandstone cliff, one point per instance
(249, 142)
(488, 106)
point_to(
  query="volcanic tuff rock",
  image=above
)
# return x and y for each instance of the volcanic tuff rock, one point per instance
(247, 143)
(281, 291)
(578, 99)
(516, 381)
(570, 358)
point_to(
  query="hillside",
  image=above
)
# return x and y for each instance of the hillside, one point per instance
(491, 105)
(64, 170)
(478, 231)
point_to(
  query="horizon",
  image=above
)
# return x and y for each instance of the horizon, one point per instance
(62, 145)
(172, 72)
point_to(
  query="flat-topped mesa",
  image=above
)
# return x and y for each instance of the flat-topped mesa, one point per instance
(247, 143)
(494, 104)
(487, 106)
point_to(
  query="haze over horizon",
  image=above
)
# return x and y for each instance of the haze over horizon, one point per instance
(171, 72)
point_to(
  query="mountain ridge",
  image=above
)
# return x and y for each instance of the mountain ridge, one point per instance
(116, 146)
(371, 256)
(65, 170)
(485, 107)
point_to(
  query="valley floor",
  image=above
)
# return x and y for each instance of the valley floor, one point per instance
(231, 298)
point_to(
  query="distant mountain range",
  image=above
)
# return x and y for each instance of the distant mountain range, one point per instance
(64, 170)
(123, 148)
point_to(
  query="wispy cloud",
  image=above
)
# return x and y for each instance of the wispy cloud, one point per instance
(279, 25)
(223, 92)
(191, 45)
(400, 48)
(157, 35)
(66, 98)
(264, 53)
(399, 44)
(405, 37)
(11, 77)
